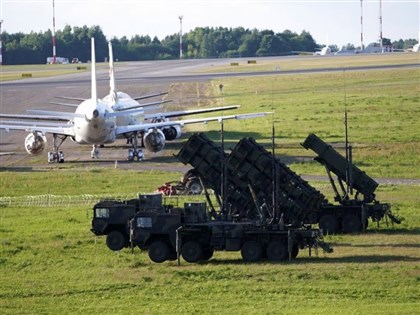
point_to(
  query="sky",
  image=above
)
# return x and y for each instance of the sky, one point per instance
(328, 21)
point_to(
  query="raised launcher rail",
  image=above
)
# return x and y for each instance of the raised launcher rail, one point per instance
(251, 174)
(345, 171)
(353, 213)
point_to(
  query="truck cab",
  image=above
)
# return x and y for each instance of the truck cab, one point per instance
(111, 217)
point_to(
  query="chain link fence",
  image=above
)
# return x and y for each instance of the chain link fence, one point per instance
(58, 200)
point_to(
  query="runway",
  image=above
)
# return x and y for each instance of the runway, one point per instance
(134, 78)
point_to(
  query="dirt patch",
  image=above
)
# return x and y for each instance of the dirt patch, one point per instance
(192, 95)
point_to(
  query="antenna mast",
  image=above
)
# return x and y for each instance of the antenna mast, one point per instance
(348, 148)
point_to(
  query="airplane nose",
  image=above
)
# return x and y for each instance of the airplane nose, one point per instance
(95, 113)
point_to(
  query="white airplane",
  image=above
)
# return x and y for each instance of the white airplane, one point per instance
(326, 50)
(102, 121)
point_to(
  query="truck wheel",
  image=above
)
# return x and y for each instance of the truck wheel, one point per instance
(351, 224)
(251, 251)
(115, 240)
(207, 253)
(328, 224)
(192, 251)
(277, 251)
(295, 251)
(172, 255)
(158, 252)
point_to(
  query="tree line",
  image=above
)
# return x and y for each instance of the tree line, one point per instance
(202, 42)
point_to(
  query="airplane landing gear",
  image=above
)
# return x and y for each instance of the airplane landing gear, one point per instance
(94, 154)
(135, 153)
(56, 156)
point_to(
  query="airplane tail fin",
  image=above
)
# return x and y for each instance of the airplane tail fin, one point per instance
(94, 88)
(112, 86)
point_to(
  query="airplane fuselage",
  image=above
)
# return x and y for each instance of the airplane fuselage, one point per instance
(96, 127)
(120, 100)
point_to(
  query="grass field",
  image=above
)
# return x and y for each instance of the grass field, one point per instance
(314, 62)
(50, 262)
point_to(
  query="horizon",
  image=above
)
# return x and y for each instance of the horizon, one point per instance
(161, 18)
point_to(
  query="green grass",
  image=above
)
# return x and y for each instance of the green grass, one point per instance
(14, 72)
(52, 264)
(314, 62)
(383, 116)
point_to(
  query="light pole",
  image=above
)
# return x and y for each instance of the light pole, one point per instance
(1, 45)
(180, 36)
(53, 35)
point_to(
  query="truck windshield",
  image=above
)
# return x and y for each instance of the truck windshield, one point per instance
(144, 222)
(102, 213)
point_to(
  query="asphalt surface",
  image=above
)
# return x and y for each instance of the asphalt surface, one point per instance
(134, 78)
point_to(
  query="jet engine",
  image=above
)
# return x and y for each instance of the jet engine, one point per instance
(35, 143)
(154, 140)
(172, 132)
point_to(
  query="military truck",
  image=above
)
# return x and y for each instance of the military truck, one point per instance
(111, 217)
(353, 210)
(190, 232)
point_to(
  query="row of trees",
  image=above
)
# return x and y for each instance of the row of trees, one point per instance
(202, 42)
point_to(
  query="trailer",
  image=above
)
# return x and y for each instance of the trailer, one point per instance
(251, 174)
(192, 234)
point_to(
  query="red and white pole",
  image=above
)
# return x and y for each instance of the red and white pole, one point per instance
(53, 35)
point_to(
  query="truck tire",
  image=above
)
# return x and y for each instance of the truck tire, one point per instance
(158, 251)
(295, 251)
(251, 251)
(277, 251)
(192, 251)
(328, 224)
(207, 253)
(115, 240)
(351, 224)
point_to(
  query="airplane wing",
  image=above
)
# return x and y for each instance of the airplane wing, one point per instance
(64, 104)
(142, 105)
(47, 113)
(35, 123)
(60, 130)
(146, 126)
(72, 98)
(138, 98)
(188, 112)
(35, 117)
